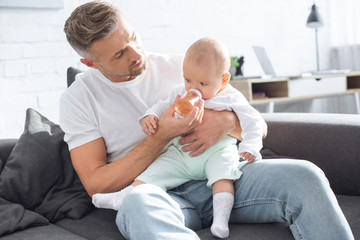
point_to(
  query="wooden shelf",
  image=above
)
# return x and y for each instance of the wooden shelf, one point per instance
(293, 99)
(273, 88)
(353, 81)
(297, 88)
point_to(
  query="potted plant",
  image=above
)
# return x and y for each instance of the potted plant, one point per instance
(233, 65)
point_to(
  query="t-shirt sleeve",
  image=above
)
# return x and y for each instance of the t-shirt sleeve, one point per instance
(78, 124)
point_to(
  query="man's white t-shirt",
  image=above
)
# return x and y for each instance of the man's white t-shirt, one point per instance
(94, 107)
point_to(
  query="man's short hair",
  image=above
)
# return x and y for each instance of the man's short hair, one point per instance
(88, 23)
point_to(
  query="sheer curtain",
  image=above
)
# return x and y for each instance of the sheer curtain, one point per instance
(344, 21)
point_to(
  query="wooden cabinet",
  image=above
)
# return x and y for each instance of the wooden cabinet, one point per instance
(271, 88)
(353, 81)
(314, 86)
(288, 89)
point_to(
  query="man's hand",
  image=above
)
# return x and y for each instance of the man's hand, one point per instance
(214, 126)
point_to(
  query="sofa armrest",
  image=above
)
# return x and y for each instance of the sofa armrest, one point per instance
(331, 141)
(6, 146)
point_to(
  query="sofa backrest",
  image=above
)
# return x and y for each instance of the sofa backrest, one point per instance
(331, 141)
(70, 75)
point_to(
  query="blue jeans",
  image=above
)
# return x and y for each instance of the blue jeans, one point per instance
(279, 190)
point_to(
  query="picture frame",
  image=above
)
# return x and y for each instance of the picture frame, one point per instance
(55, 4)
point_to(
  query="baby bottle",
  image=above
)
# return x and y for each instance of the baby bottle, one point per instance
(184, 105)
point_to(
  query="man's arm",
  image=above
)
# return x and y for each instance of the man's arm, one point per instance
(215, 125)
(97, 176)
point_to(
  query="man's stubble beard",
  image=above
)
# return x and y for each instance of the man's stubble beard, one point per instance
(135, 73)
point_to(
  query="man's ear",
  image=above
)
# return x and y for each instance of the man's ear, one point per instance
(88, 62)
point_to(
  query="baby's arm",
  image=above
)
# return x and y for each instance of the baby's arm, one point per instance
(250, 119)
(149, 124)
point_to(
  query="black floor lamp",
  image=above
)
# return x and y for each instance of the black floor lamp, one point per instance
(315, 21)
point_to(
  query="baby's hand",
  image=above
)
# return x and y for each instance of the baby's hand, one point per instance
(248, 156)
(149, 124)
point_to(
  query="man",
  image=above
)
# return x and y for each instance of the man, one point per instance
(99, 115)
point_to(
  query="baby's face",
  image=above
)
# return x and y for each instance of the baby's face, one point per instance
(202, 78)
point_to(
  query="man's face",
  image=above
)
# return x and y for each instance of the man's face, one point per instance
(120, 57)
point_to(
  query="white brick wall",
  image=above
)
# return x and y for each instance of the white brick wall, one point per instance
(34, 54)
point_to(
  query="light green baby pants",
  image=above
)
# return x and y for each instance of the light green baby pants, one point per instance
(175, 167)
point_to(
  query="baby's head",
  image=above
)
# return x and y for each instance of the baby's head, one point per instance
(206, 67)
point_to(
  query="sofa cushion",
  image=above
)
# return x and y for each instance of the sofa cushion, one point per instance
(350, 205)
(99, 224)
(50, 231)
(6, 146)
(256, 231)
(39, 174)
(17, 218)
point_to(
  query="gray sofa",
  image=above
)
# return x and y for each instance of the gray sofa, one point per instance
(328, 140)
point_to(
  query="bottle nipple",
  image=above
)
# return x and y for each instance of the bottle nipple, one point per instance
(184, 105)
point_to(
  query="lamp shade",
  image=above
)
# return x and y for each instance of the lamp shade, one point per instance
(314, 20)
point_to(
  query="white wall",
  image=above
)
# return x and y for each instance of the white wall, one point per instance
(34, 53)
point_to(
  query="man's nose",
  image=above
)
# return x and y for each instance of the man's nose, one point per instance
(135, 51)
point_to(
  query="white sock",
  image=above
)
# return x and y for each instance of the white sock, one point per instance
(111, 200)
(222, 206)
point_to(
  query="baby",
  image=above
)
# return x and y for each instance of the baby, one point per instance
(205, 68)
